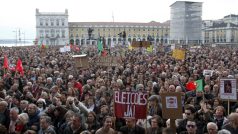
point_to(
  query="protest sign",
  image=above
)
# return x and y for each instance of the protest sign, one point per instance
(130, 104)
(81, 61)
(136, 44)
(67, 48)
(178, 54)
(228, 89)
(171, 105)
(109, 61)
(207, 72)
(62, 50)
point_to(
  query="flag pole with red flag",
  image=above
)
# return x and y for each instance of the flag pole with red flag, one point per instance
(5, 64)
(19, 67)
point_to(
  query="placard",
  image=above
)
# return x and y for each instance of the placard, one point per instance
(130, 104)
(228, 89)
(136, 44)
(81, 61)
(208, 72)
(171, 105)
(62, 50)
(109, 61)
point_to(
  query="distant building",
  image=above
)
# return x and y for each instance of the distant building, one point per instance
(221, 32)
(110, 31)
(186, 22)
(52, 28)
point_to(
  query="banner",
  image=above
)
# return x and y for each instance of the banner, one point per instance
(130, 104)
(109, 61)
(81, 61)
(228, 89)
(178, 54)
(67, 48)
(62, 50)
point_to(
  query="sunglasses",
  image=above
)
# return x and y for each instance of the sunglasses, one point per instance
(187, 113)
(191, 126)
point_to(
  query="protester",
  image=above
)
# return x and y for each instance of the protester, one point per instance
(76, 100)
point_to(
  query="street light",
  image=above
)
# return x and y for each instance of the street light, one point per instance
(16, 35)
(23, 38)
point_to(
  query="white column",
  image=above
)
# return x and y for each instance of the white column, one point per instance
(79, 41)
(106, 41)
(85, 41)
(215, 36)
(116, 40)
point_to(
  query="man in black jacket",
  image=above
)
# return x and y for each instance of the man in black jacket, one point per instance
(131, 127)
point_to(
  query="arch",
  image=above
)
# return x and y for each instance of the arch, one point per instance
(157, 40)
(77, 41)
(129, 40)
(109, 41)
(134, 39)
(71, 41)
(82, 41)
(119, 39)
(143, 39)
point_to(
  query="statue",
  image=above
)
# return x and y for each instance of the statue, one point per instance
(90, 30)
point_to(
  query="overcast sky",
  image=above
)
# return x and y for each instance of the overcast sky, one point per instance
(20, 14)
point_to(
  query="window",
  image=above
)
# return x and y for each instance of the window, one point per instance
(52, 32)
(62, 22)
(63, 33)
(47, 33)
(46, 23)
(57, 22)
(52, 23)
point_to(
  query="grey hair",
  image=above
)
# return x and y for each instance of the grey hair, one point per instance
(49, 78)
(224, 131)
(213, 124)
(15, 109)
(25, 101)
(47, 119)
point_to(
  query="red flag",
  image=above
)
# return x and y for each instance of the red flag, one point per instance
(104, 53)
(42, 46)
(5, 64)
(77, 48)
(190, 86)
(19, 67)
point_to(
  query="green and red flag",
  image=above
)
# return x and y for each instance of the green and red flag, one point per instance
(195, 85)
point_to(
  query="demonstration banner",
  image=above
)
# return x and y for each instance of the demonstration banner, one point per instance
(130, 104)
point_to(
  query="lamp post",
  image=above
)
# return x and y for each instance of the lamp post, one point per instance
(23, 38)
(16, 35)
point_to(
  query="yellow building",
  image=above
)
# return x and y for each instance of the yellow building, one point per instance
(110, 31)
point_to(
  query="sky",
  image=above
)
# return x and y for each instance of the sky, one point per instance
(20, 14)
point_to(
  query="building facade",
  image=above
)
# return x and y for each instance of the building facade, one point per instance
(52, 28)
(186, 22)
(221, 32)
(110, 31)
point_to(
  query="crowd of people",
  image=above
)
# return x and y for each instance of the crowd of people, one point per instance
(54, 97)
